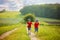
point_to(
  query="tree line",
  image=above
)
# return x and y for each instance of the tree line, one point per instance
(44, 10)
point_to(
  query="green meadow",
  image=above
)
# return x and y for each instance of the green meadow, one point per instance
(20, 34)
(11, 20)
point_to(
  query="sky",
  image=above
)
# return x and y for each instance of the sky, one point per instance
(1, 1)
(42, 1)
(15, 4)
(33, 1)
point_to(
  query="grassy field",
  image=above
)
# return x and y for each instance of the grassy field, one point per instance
(8, 28)
(8, 18)
(46, 32)
(49, 33)
(20, 34)
(9, 14)
(48, 19)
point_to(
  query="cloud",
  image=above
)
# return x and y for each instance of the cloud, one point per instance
(27, 2)
(16, 4)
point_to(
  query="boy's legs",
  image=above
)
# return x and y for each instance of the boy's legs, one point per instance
(36, 29)
(29, 30)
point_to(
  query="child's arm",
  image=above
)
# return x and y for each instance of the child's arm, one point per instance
(39, 24)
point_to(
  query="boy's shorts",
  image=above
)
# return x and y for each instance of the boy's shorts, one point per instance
(29, 28)
(36, 29)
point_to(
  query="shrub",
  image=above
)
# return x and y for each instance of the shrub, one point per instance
(29, 16)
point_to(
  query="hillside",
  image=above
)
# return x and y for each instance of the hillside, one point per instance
(44, 10)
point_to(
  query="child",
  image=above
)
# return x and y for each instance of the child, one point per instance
(36, 24)
(29, 23)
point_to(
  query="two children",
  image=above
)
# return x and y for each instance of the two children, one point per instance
(29, 23)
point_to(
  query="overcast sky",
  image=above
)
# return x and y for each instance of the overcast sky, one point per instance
(42, 1)
(33, 1)
(12, 4)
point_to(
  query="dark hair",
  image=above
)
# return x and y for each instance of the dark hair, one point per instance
(36, 20)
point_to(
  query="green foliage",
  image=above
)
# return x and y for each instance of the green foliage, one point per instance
(29, 16)
(46, 10)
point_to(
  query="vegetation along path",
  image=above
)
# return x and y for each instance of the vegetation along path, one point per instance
(7, 33)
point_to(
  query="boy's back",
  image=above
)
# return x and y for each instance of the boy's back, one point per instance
(36, 24)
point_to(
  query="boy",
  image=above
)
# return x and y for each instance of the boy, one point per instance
(29, 23)
(36, 24)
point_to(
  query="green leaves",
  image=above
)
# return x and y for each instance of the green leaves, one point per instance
(29, 16)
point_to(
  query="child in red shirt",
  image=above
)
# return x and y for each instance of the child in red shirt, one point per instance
(29, 23)
(36, 24)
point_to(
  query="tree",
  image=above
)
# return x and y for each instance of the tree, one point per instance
(46, 11)
(29, 16)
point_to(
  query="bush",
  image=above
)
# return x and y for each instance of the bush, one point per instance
(29, 16)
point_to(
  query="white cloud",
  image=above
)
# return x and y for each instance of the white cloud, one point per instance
(18, 4)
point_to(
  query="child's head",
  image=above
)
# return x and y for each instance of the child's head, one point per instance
(36, 20)
(29, 20)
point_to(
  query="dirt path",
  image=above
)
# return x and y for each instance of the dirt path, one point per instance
(7, 33)
(33, 36)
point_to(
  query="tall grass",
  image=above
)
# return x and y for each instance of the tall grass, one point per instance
(48, 32)
(8, 28)
(20, 34)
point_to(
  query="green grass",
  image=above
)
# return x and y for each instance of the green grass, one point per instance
(48, 19)
(20, 34)
(9, 14)
(7, 28)
(48, 32)
(45, 33)
(9, 18)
